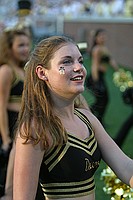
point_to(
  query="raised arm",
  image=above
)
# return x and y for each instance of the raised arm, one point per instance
(120, 163)
(95, 63)
(115, 158)
(114, 64)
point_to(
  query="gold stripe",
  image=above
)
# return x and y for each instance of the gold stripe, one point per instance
(85, 145)
(91, 143)
(53, 155)
(83, 140)
(84, 119)
(80, 188)
(65, 191)
(68, 184)
(59, 158)
(15, 98)
(87, 151)
(17, 79)
(70, 195)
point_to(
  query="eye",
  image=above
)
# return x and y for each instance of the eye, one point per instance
(81, 62)
(21, 45)
(67, 62)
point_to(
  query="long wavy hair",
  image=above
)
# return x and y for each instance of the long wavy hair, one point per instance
(36, 112)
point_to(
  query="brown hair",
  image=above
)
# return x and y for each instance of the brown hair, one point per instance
(37, 104)
(6, 42)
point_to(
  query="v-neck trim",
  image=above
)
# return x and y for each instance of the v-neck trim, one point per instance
(81, 116)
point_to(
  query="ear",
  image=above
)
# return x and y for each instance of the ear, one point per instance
(41, 72)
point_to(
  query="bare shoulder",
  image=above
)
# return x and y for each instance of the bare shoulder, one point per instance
(97, 49)
(6, 67)
(99, 130)
(6, 72)
(88, 114)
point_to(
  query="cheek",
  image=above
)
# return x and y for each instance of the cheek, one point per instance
(85, 72)
(16, 51)
(57, 80)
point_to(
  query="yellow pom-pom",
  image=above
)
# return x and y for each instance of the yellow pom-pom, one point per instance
(123, 79)
(115, 187)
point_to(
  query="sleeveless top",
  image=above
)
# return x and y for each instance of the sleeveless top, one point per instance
(15, 97)
(16, 89)
(68, 170)
(105, 59)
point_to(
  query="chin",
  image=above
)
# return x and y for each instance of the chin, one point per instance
(80, 90)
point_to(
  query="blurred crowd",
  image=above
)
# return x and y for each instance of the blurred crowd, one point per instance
(67, 8)
(72, 8)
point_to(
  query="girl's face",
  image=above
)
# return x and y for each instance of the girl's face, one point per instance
(20, 48)
(101, 38)
(67, 74)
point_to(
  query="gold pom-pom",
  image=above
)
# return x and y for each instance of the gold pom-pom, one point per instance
(123, 79)
(115, 187)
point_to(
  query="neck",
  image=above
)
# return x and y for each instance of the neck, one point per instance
(17, 64)
(63, 107)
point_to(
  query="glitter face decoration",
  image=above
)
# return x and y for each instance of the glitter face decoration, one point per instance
(62, 70)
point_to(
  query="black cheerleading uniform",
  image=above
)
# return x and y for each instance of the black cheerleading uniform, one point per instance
(68, 170)
(15, 96)
(100, 91)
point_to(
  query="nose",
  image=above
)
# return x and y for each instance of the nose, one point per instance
(78, 67)
(27, 48)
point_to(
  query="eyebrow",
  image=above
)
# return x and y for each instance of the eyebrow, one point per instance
(81, 57)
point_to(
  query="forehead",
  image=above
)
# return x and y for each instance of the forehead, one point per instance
(67, 49)
(17, 38)
(102, 33)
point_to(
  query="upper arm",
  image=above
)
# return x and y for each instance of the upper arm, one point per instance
(6, 77)
(95, 63)
(114, 157)
(120, 163)
(28, 160)
(96, 53)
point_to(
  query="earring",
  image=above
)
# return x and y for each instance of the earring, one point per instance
(45, 78)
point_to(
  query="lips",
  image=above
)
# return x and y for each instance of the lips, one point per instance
(77, 78)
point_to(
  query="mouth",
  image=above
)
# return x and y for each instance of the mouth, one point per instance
(77, 78)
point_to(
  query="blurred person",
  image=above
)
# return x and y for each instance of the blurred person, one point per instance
(14, 52)
(100, 60)
(60, 145)
(122, 134)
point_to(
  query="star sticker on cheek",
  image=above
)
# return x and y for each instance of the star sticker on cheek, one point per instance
(62, 70)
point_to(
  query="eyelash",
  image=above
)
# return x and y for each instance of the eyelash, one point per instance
(81, 62)
(70, 61)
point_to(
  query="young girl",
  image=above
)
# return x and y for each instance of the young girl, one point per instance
(60, 145)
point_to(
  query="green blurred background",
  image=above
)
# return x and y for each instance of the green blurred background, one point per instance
(117, 112)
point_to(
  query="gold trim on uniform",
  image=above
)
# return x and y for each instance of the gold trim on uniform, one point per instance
(59, 157)
(58, 188)
(15, 99)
